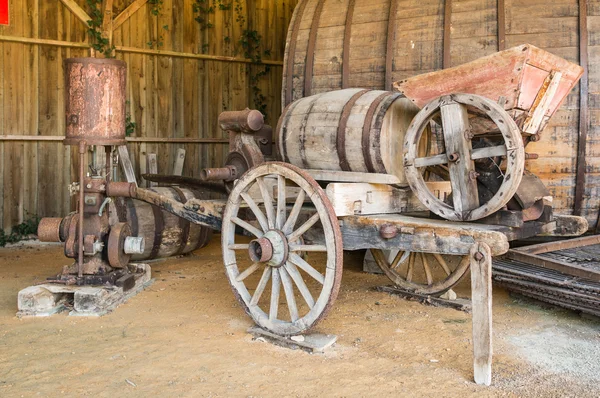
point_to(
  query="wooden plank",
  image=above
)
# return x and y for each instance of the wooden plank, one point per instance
(455, 121)
(560, 245)
(501, 21)
(421, 234)
(352, 176)
(541, 104)
(167, 140)
(126, 164)
(45, 42)
(583, 109)
(565, 268)
(363, 198)
(128, 12)
(179, 160)
(107, 21)
(77, 11)
(152, 167)
(447, 31)
(481, 299)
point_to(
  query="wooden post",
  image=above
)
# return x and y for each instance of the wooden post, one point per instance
(481, 297)
(152, 167)
(583, 109)
(446, 41)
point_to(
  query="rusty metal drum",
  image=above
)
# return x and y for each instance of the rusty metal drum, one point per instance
(95, 101)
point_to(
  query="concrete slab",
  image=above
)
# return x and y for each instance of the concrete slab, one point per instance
(314, 342)
(51, 298)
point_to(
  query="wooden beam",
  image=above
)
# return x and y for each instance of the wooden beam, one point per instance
(207, 57)
(77, 11)
(128, 12)
(501, 18)
(560, 266)
(46, 42)
(561, 245)
(192, 55)
(583, 108)
(129, 139)
(107, 21)
(447, 25)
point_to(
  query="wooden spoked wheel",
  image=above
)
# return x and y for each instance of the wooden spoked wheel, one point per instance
(424, 273)
(458, 160)
(258, 270)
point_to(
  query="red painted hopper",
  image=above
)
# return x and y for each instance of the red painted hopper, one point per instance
(531, 82)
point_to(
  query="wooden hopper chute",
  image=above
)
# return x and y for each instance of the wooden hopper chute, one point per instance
(530, 83)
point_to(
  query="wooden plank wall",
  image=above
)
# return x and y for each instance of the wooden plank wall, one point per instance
(169, 96)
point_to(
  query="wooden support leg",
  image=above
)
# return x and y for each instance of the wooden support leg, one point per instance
(481, 296)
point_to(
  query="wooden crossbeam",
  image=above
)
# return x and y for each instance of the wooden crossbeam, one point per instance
(77, 11)
(128, 12)
(107, 20)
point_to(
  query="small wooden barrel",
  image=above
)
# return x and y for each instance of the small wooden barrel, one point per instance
(164, 233)
(347, 130)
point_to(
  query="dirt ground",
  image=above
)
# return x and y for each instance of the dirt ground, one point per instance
(185, 336)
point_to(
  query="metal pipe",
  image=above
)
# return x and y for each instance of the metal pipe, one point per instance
(246, 121)
(82, 149)
(227, 173)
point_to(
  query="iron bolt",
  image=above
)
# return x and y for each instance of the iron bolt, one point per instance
(478, 256)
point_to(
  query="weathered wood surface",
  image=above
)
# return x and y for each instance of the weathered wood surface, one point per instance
(363, 198)
(164, 233)
(346, 130)
(481, 298)
(350, 51)
(421, 234)
(179, 79)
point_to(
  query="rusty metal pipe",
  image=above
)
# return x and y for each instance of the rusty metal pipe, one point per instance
(227, 173)
(82, 167)
(246, 121)
(121, 189)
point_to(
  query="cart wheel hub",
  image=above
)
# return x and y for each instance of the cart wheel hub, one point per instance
(272, 249)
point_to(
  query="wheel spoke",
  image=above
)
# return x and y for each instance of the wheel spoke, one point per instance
(280, 202)
(260, 288)
(308, 248)
(397, 259)
(411, 263)
(291, 221)
(303, 228)
(260, 217)
(295, 274)
(488, 152)
(288, 288)
(248, 227)
(442, 262)
(238, 246)
(247, 272)
(427, 269)
(267, 200)
(434, 160)
(275, 287)
(299, 261)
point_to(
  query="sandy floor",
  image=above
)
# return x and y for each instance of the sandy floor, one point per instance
(186, 336)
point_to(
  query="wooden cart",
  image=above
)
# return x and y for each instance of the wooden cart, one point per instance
(286, 227)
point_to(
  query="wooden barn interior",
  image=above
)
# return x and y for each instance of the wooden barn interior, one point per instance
(196, 75)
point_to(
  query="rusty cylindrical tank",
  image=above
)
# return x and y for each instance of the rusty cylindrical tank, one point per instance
(95, 101)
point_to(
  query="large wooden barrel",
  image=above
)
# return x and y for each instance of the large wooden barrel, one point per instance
(164, 234)
(347, 130)
(337, 44)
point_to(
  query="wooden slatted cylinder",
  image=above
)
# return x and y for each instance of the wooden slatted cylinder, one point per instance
(165, 234)
(347, 130)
